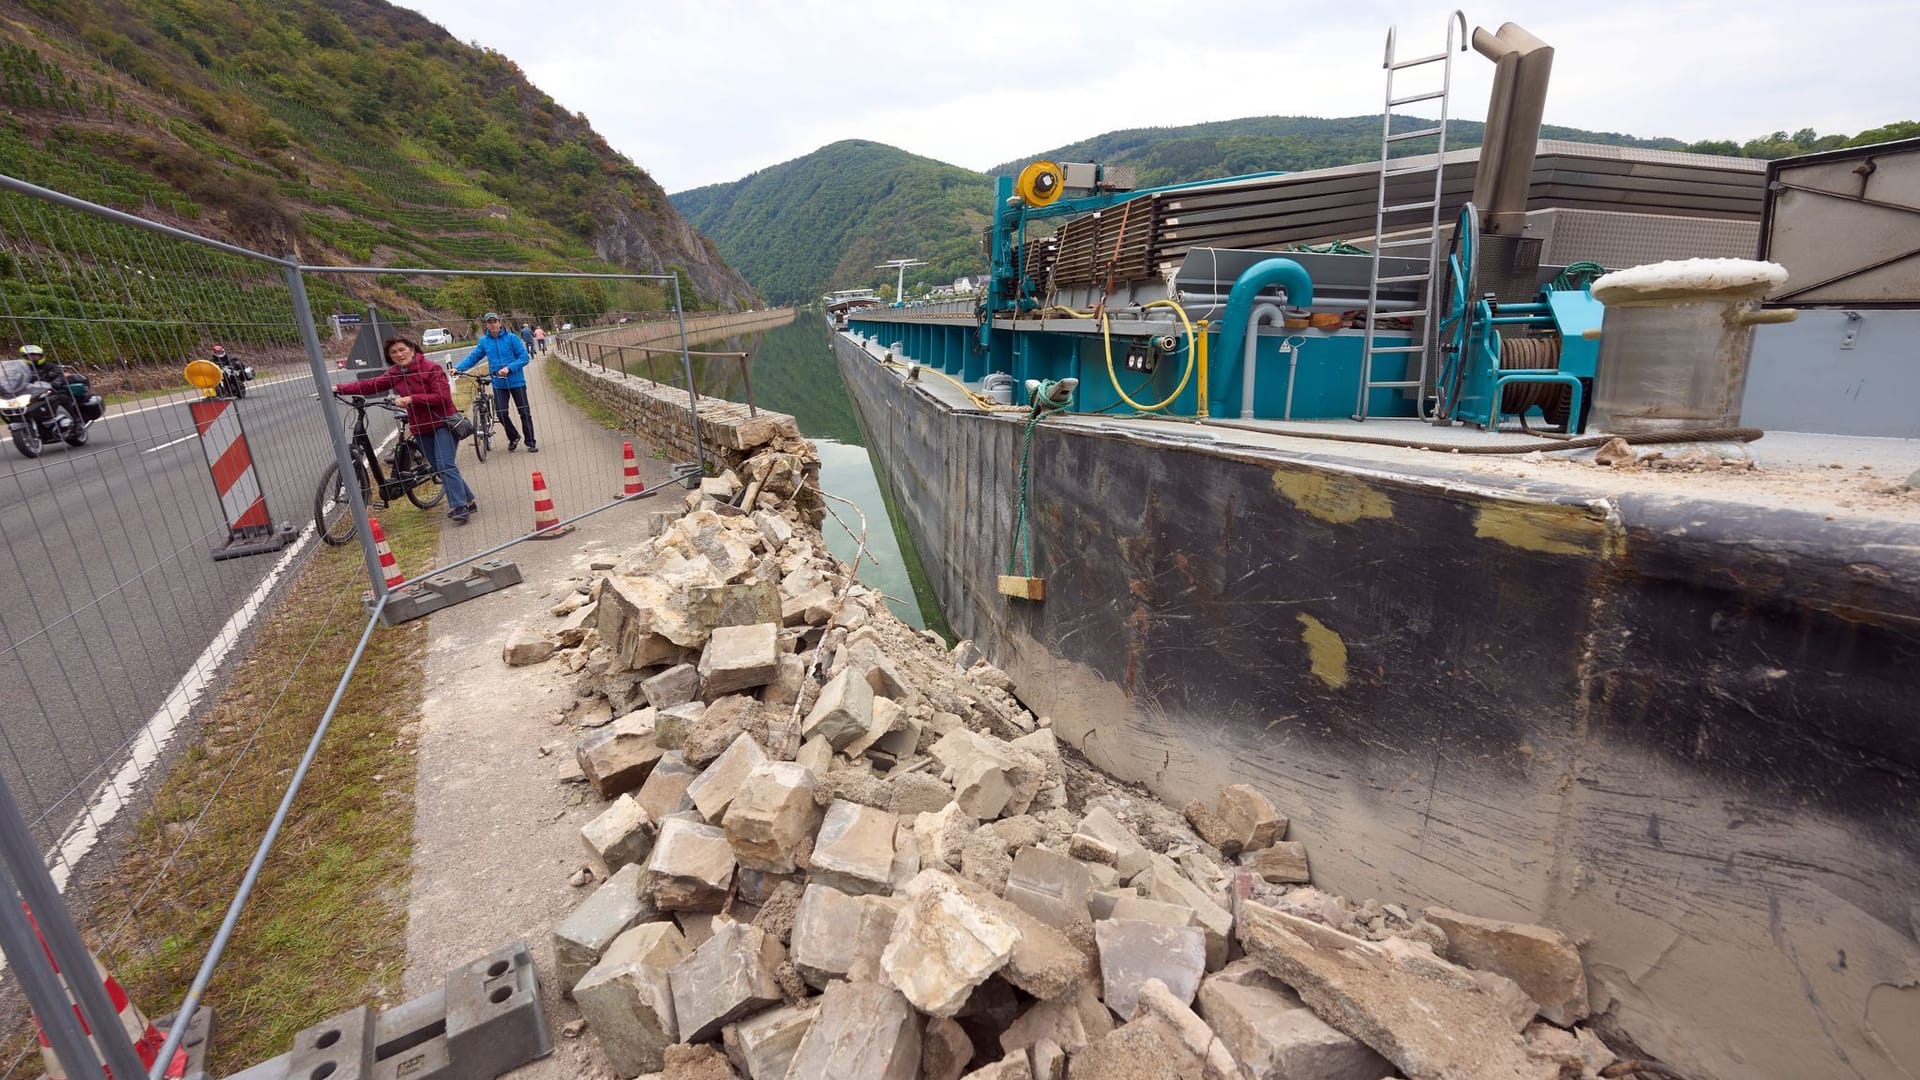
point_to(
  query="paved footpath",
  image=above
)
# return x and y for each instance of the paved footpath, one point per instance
(496, 832)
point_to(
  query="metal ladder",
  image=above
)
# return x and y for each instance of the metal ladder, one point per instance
(1429, 238)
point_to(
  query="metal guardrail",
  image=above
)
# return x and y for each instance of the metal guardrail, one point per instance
(121, 624)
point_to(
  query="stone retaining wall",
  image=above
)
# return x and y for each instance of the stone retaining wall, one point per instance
(699, 328)
(658, 413)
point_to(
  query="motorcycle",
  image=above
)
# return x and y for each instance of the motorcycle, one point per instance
(234, 377)
(37, 415)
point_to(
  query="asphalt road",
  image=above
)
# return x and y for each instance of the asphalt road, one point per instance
(111, 595)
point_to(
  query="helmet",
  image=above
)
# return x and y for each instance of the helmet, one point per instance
(33, 353)
(491, 316)
(219, 350)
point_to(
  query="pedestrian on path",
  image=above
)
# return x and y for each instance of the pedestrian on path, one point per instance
(540, 338)
(420, 386)
(506, 356)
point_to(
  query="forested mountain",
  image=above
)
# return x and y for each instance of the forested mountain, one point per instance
(823, 221)
(349, 131)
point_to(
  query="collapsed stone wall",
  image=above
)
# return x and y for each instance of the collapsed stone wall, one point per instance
(833, 847)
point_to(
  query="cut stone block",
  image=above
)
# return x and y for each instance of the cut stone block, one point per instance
(1141, 909)
(1158, 1007)
(1285, 863)
(1013, 1068)
(606, 913)
(1212, 828)
(622, 835)
(982, 767)
(1273, 1034)
(1130, 855)
(1142, 1049)
(844, 710)
(1169, 885)
(1250, 819)
(774, 527)
(817, 755)
(618, 757)
(671, 725)
(1131, 952)
(787, 684)
(627, 1001)
(904, 737)
(771, 815)
(826, 932)
(740, 658)
(1045, 962)
(527, 646)
(675, 686)
(945, 1050)
(728, 977)
(1544, 962)
(944, 945)
(762, 1047)
(943, 834)
(853, 851)
(665, 791)
(886, 713)
(1069, 1022)
(863, 1031)
(1049, 886)
(1429, 1022)
(878, 916)
(691, 868)
(716, 787)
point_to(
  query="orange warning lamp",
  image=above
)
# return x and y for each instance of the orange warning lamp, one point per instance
(204, 374)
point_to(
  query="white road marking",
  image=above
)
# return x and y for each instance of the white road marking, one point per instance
(172, 401)
(175, 442)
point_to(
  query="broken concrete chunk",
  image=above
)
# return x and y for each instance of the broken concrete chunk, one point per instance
(844, 710)
(527, 646)
(729, 977)
(622, 835)
(853, 851)
(773, 812)
(677, 685)
(1250, 819)
(1142, 1049)
(1131, 952)
(1273, 1034)
(618, 757)
(1285, 863)
(740, 658)
(606, 913)
(762, 1047)
(1439, 1028)
(691, 868)
(862, 1031)
(1049, 886)
(627, 1001)
(715, 789)
(665, 791)
(1543, 961)
(944, 945)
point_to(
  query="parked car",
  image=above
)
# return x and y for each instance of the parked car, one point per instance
(435, 338)
(566, 326)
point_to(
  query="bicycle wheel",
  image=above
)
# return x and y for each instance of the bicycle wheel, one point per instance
(332, 510)
(482, 430)
(423, 483)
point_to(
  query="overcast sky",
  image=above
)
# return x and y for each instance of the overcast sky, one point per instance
(707, 91)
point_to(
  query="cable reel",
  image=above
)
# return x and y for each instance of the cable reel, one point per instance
(1040, 183)
(1464, 324)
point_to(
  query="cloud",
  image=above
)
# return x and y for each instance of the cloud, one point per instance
(699, 93)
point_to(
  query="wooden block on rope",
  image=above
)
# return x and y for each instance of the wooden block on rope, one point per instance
(1023, 588)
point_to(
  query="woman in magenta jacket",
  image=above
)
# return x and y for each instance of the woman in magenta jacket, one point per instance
(420, 386)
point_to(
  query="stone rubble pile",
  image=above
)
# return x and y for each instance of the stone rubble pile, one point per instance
(832, 847)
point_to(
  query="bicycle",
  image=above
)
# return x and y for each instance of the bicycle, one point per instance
(413, 476)
(482, 413)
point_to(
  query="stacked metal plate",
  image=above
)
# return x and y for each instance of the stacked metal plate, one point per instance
(1151, 236)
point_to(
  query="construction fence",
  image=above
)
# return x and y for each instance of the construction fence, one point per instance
(151, 525)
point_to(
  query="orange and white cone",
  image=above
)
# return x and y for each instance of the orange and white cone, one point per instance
(546, 520)
(146, 1038)
(389, 566)
(631, 468)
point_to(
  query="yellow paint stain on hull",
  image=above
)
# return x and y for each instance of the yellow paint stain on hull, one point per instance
(1548, 527)
(1326, 653)
(1332, 497)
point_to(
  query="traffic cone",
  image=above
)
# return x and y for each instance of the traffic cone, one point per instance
(146, 1038)
(546, 520)
(389, 566)
(631, 468)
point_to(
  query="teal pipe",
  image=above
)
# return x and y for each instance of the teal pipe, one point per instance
(1286, 273)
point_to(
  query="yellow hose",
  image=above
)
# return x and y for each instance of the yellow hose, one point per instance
(1193, 354)
(978, 399)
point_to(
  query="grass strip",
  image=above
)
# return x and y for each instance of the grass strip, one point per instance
(563, 380)
(325, 929)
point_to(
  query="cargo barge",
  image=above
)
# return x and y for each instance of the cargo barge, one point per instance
(1665, 706)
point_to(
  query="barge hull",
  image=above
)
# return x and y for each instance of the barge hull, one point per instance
(1683, 731)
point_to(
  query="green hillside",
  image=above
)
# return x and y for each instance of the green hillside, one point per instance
(823, 221)
(348, 131)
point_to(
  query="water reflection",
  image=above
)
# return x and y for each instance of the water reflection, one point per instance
(792, 371)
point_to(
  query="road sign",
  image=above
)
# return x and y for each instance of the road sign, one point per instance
(347, 319)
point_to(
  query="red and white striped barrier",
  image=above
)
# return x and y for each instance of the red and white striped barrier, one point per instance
(146, 1038)
(250, 529)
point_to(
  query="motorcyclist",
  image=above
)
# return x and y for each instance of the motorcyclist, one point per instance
(55, 376)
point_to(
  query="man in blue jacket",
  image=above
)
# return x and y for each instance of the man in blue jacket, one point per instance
(506, 356)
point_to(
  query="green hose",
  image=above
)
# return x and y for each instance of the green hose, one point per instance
(1576, 276)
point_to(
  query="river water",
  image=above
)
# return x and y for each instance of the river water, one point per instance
(793, 371)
